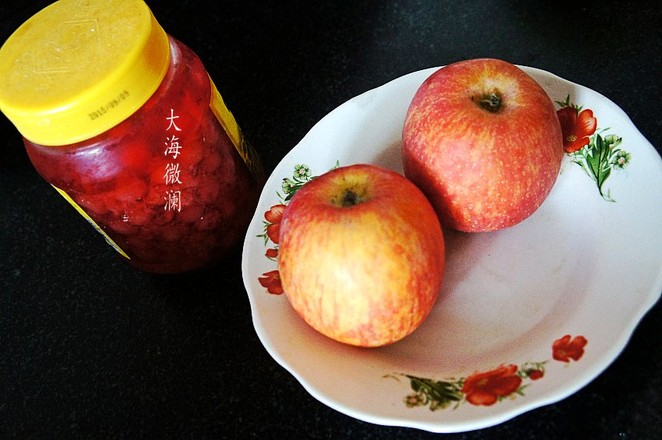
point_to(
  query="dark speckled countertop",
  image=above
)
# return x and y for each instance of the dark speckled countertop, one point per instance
(91, 348)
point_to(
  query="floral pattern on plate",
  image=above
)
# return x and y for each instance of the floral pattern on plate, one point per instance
(485, 388)
(272, 218)
(594, 150)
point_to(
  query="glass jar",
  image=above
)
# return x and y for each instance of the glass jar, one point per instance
(125, 123)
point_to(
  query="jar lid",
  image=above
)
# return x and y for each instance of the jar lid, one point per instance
(79, 67)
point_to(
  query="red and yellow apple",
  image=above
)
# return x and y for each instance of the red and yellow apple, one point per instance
(361, 255)
(482, 140)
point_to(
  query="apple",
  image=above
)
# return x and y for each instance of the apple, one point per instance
(482, 140)
(361, 255)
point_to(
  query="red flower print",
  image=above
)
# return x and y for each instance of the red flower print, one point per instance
(271, 253)
(566, 348)
(487, 387)
(576, 127)
(536, 374)
(271, 282)
(274, 216)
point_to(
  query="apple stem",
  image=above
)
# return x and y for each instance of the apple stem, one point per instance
(490, 102)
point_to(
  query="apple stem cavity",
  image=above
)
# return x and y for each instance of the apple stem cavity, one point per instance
(490, 101)
(349, 198)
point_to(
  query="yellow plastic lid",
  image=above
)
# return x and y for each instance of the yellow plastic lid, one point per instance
(79, 67)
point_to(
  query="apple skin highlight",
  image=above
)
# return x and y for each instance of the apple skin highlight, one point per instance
(364, 269)
(483, 141)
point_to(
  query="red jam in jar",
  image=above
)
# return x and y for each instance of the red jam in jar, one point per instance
(166, 175)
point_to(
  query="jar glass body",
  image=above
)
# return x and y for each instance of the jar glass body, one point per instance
(167, 187)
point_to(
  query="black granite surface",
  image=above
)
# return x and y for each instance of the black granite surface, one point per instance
(91, 348)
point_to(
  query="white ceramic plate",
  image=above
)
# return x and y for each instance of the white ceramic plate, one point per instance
(526, 316)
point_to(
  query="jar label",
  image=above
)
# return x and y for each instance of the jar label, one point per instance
(229, 124)
(94, 224)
